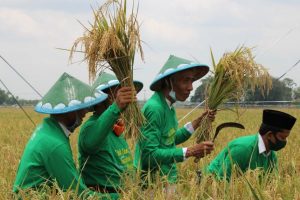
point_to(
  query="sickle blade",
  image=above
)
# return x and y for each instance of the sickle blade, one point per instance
(227, 125)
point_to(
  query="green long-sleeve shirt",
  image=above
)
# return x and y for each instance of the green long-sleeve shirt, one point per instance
(103, 156)
(244, 153)
(47, 158)
(156, 149)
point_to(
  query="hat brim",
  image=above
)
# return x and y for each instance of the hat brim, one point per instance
(77, 105)
(202, 70)
(137, 84)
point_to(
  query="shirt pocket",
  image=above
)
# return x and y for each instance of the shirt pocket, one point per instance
(168, 137)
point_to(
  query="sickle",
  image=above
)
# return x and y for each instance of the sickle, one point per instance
(220, 127)
(227, 125)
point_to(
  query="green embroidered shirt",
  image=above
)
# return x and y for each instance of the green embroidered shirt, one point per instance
(103, 156)
(244, 153)
(156, 149)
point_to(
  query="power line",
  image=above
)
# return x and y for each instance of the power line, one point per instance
(20, 75)
(278, 40)
(16, 101)
(289, 69)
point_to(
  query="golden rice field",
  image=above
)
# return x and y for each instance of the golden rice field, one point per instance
(15, 129)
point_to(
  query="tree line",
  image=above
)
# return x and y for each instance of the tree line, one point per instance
(282, 90)
(7, 99)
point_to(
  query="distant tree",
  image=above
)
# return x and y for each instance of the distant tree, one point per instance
(7, 99)
(289, 82)
(297, 93)
(24, 102)
(199, 94)
(3, 96)
(10, 100)
(281, 91)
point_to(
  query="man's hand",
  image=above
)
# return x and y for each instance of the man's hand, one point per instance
(210, 114)
(125, 95)
(200, 150)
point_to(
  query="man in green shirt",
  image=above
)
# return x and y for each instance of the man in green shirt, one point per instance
(156, 151)
(255, 151)
(104, 155)
(47, 157)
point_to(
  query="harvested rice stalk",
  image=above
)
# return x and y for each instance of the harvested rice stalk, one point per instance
(111, 42)
(235, 73)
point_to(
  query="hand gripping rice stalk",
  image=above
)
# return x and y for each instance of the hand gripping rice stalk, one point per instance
(234, 74)
(111, 42)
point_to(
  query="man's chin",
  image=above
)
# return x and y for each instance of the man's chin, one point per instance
(183, 98)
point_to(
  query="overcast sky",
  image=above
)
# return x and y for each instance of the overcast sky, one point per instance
(31, 30)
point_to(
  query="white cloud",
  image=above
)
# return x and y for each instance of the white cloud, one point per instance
(31, 30)
(168, 32)
(17, 22)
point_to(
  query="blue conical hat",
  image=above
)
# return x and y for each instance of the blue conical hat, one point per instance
(174, 65)
(69, 94)
(106, 80)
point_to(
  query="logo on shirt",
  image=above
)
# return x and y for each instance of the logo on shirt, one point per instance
(125, 157)
(170, 137)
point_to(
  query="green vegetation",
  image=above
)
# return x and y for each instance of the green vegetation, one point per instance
(282, 90)
(7, 99)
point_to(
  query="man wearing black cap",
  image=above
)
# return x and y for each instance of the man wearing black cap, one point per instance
(255, 151)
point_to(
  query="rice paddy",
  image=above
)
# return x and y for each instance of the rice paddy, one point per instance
(15, 130)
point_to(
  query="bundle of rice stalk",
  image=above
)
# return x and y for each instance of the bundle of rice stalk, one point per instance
(111, 42)
(234, 74)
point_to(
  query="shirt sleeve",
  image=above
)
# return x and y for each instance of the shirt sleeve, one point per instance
(184, 133)
(151, 151)
(184, 150)
(95, 133)
(189, 127)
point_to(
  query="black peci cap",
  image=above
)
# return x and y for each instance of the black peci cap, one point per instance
(278, 119)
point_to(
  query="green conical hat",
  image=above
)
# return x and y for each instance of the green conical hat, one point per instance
(174, 65)
(69, 94)
(106, 80)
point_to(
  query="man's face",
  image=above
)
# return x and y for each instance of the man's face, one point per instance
(282, 136)
(76, 117)
(277, 139)
(183, 84)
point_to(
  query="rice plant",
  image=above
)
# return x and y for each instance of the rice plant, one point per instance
(112, 42)
(15, 131)
(234, 74)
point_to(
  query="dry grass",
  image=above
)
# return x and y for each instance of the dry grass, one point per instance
(111, 42)
(15, 130)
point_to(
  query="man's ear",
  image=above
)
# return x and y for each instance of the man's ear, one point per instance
(269, 134)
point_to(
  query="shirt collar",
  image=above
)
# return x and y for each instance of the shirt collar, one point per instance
(261, 146)
(169, 103)
(66, 131)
